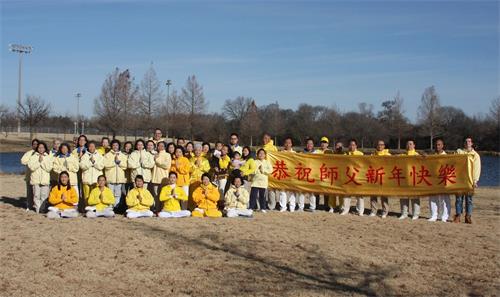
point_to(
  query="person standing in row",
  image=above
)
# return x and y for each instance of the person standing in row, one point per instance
(476, 173)
(163, 162)
(360, 201)
(260, 181)
(65, 161)
(91, 165)
(404, 203)
(40, 165)
(439, 205)
(287, 197)
(115, 164)
(380, 151)
(24, 161)
(309, 149)
(140, 161)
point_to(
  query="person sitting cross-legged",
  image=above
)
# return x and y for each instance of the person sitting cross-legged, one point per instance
(63, 199)
(205, 197)
(139, 200)
(171, 195)
(236, 200)
(101, 200)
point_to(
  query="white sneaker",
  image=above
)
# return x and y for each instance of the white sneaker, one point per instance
(283, 210)
(384, 215)
(331, 210)
(430, 220)
(372, 214)
(444, 220)
(344, 213)
(263, 211)
(53, 215)
(300, 210)
(413, 218)
(361, 214)
(403, 216)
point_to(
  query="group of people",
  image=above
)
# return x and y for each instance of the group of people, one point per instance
(182, 179)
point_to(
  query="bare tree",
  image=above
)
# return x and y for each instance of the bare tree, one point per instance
(33, 111)
(427, 112)
(237, 108)
(495, 111)
(150, 96)
(175, 110)
(392, 117)
(250, 124)
(194, 100)
(115, 104)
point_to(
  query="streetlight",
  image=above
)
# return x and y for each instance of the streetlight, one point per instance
(78, 96)
(168, 83)
(20, 49)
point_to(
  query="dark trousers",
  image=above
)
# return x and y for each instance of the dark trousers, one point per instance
(259, 193)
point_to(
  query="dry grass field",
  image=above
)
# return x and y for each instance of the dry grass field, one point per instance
(273, 254)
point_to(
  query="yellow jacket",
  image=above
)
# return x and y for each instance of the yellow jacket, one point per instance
(40, 171)
(248, 169)
(102, 150)
(101, 200)
(24, 160)
(206, 197)
(91, 171)
(139, 204)
(198, 170)
(171, 203)
(411, 153)
(384, 152)
(141, 163)
(269, 147)
(69, 164)
(55, 197)
(115, 173)
(161, 168)
(260, 179)
(355, 153)
(476, 163)
(183, 169)
(233, 201)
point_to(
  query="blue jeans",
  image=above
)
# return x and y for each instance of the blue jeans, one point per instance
(459, 204)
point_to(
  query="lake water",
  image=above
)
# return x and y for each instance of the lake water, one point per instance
(490, 168)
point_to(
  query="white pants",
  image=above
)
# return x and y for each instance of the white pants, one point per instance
(360, 204)
(440, 205)
(234, 212)
(174, 214)
(132, 214)
(55, 213)
(93, 213)
(271, 198)
(287, 197)
(312, 201)
(221, 185)
(40, 195)
(117, 192)
(405, 205)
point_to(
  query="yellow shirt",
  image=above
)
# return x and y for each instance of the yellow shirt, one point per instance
(355, 153)
(139, 199)
(69, 164)
(55, 197)
(115, 173)
(198, 170)
(206, 197)
(384, 152)
(262, 170)
(101, 200)
(171, 203)
(233, 201)
(40, 171)
(162, 167)
(182, 167)
(269, 147)
(476, 163)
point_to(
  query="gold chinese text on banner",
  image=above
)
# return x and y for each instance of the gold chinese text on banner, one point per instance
(397, 176)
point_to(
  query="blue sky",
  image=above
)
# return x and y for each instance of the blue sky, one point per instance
(321, 52)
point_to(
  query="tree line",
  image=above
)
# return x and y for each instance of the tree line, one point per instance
(126, 108)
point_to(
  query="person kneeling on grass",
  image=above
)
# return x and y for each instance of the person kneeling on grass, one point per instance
(171, 195)
(101, 200)
(205, 197)
(236, 200)
(139, 200)
(63, 199)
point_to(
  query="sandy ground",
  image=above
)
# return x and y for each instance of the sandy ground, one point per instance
(274, 254)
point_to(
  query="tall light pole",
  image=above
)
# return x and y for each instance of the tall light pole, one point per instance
(168, 83)
(20, 49)
(78, 96)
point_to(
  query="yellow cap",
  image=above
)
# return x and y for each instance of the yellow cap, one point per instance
(324, 139)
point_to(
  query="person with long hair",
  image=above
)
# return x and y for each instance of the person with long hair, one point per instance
(63, 199)
(40, 165)
(163, 162)
(260, 181)
(66, 161)
(171, 195)
(141, 162)
(101, 200)
(182, 167)
(115, 164)
(236, 200)
(128, 148)
(91, 164)
(248, 169)
(24, 161)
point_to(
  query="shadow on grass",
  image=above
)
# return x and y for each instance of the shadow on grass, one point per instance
(316, 274)
(16, 202)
